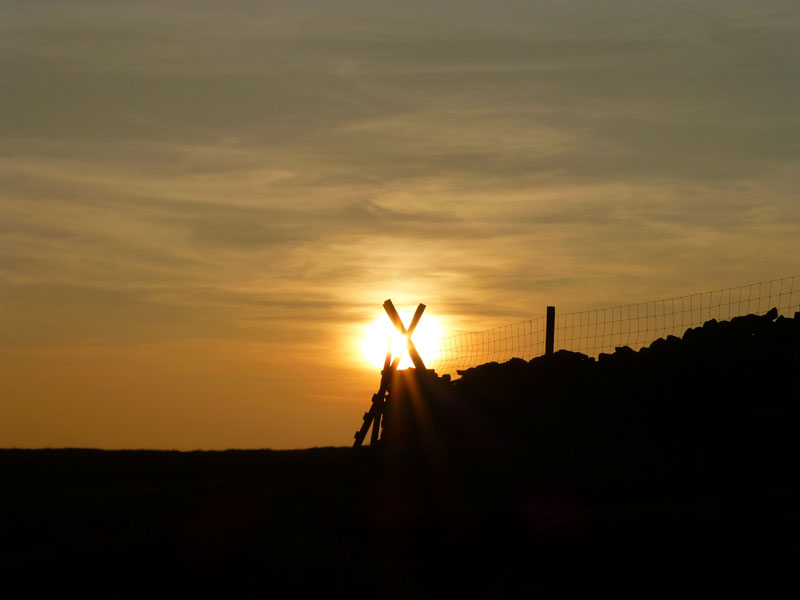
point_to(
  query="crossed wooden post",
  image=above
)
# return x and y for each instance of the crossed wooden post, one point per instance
(376, 411)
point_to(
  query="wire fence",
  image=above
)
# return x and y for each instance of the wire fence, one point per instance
(593, 332)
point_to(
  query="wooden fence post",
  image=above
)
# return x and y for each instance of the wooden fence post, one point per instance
(550, 330)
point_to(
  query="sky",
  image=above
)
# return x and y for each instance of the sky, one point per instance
(202, 204)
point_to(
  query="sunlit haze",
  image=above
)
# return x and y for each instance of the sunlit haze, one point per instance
(381, 335)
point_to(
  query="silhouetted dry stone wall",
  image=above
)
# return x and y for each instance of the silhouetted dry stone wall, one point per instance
(729, 387)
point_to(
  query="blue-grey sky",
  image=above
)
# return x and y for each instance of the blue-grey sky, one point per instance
(201, 203)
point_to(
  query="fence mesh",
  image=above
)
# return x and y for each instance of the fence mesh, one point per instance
(601, 330)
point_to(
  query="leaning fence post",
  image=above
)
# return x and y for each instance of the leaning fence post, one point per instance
(550, 330)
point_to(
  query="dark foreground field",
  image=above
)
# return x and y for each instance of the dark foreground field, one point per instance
(673, 469)
(259, 522)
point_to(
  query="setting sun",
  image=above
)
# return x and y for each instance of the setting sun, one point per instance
(380, 334)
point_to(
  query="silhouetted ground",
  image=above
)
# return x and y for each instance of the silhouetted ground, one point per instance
(673, 469)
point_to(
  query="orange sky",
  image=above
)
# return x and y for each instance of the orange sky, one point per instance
(202, 207)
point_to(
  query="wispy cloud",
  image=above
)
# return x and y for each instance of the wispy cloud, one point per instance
(248, 173)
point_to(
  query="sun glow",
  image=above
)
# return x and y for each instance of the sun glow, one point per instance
(381, 334)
